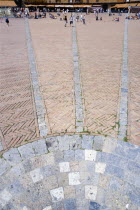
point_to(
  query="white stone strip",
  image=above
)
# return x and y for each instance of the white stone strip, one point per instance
(77, 84)
(124, 87)
(40, 108)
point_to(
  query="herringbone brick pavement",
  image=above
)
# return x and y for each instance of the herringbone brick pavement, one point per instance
(52, 44)
(134, 81)
(17, 116)
(100, 52)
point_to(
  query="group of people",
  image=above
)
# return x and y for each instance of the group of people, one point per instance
(77, 18)
(134, 17)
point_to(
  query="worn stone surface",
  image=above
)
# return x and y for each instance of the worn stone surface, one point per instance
(67, 171)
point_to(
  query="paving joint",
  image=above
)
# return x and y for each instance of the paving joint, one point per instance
(124, 88)
(39, 104)
(77, 83)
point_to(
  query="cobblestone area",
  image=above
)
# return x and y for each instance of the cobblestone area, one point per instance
(71, 173)
(134, 82)
(17, 116)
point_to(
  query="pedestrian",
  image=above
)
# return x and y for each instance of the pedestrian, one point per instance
(71, 20)
(84, 21)
(7, 21)
(66, 20)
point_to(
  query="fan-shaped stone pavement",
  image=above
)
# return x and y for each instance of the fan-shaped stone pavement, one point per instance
(71, 172)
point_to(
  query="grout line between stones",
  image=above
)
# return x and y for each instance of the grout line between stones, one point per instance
(39, 104)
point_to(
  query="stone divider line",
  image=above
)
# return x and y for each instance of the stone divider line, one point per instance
(39, 104)
(77, 83)
(124, 87)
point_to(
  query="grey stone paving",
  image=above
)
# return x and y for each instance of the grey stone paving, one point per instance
(85, 174)
(124, 88)
(77, 83)
(39, 104)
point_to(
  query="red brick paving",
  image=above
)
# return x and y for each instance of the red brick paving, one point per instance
(17, 116)
(100, 56)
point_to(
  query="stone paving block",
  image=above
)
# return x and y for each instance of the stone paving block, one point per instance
(36, 175)
(64, 167)
(104, 181)
(59, 156)
(70, 204)
(50, 170)
(57, 194)
(63, 179)
(100, 167)
(101, 194)
(109, 145)
(58, 205)
(48, 208)
(69, 192)
(5, 197)
(90, 155)
(90, 192)
(26, 151)
(80, 191)
(79, 155)
(75, 142)
(4, 166)
(50, 182)
(28, 165)
(116, 184)
(87, 178)
(115, 171)
(52, 144)
(98, 142)
(63, 143)
(82, 203)
(83, 166)
(87, 142)
(12, 156)
(69, 155)
(90, 165)
(16, 188)
(94, 206)
(16, 172)
(48, 159)
(36, 162)
(74, 178)
(74, 166)
(39, 147)
(133, 167)
(26, 180)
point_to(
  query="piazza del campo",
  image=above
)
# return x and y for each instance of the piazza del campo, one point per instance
(70, 105)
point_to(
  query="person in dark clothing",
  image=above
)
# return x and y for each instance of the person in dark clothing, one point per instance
(7, 21)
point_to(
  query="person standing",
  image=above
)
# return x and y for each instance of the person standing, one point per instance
(71, 20)
(84, 21)
(7, 21)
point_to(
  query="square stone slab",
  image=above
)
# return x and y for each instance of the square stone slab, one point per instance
(36, 175)
(90, 192)
(90, 155)
(57, 194)
(100, 167)
(64, 167)
(48, 208)
(74, 178)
